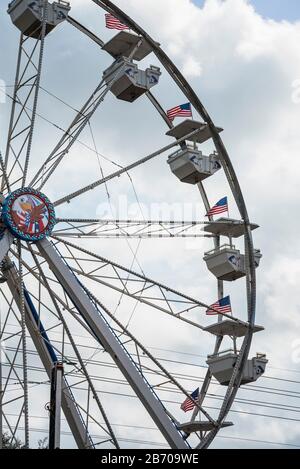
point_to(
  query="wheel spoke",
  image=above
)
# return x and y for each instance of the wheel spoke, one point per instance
(126, 169)
(44, 347)
(22, 122)
(77, 126)
(73, 228)
(70, 136)
(24, 347)
(142, 351)
(85, 31)
(77, 353)
(137, 286)
(107, 338)
(143, 355)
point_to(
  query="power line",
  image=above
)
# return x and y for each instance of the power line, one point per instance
(172, 391)
(160, 444)
(140, 427)
(45, 119)
(269, 390)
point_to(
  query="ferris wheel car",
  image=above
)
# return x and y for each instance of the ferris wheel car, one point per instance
(123, 45)
(231, 328)
(227, 263)
(222, 364)
(127, 81)
(201, 426)
(27, 16)
(228, 227)
(190, 125)
(191, 166)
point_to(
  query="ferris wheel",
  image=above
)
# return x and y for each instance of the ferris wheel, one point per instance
(54, 285)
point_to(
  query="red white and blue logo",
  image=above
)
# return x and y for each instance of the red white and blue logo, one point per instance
(28, 214)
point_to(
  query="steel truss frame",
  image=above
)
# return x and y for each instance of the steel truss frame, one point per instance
(24, 108)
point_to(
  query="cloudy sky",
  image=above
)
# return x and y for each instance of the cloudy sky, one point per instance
(243, 59)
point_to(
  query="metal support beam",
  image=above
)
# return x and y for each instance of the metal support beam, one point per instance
(1, 389)
(126, 169)
(73, 228)
(24, 107)
(85, 31)
(5, 244)
(70, 136)
(78, 124)
(48, 357)
(55, 405)
(112, 345)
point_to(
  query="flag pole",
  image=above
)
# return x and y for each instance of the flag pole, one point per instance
(195, 141)
(192, 112)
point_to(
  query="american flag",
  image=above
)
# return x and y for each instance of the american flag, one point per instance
(222, 306)
(24, 219)
(113, 23)
(184, 110)
(220, 207)
(189, 404)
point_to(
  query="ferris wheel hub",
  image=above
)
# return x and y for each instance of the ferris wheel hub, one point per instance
(28, 214)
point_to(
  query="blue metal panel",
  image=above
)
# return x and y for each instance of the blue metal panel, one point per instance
(40, 326)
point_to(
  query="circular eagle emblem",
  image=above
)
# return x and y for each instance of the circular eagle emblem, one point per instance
(28, 214)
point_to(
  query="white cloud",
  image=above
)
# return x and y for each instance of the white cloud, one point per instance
(192, 68)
